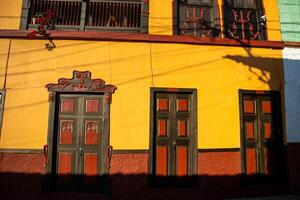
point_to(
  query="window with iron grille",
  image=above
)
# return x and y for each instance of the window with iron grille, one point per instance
(102, 15)
(244, 19)
(198, 18)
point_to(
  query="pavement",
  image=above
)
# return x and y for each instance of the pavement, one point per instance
(281, 197)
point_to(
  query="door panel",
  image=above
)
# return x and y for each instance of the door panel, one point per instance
(67, 131)
(251, 159)
(182, 160)
(163, 103)
(162, 160)
(65, 165)
(68, 105)
(162, 127)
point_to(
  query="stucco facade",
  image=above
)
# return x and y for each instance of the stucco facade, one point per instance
(222, 73)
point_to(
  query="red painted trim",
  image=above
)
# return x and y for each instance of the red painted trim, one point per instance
(130, 37)
(259, 92)
(292, 44)
(172, 90)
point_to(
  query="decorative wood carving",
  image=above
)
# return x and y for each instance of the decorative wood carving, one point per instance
(108, 98)
(81, 82)
(91, 132)
(51, 97)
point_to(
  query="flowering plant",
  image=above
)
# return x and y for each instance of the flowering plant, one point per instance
(44, 21)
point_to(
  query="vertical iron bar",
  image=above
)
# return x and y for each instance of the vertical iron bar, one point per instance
(102, 16)
(133, 14)
(129, 16)
(82, 16)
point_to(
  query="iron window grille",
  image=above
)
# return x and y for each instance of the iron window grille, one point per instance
(98, 15)
(198, 18)
(244, 19)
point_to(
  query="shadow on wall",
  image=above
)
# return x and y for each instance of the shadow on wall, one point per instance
(268, 68)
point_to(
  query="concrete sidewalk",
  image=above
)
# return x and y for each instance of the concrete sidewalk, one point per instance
(281, 197)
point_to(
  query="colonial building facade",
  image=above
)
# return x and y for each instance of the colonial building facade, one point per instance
(140, 99)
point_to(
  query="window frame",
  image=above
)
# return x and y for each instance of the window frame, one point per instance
(144, 18)
(276, 115)
(216, 24)
(259, 10)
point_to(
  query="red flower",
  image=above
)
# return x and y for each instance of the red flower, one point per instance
(50, 14)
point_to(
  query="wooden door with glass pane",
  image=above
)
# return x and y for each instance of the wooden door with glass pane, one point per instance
(80, 141)
(261, 134)
(174, 134)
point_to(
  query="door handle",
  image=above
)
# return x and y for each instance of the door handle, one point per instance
(174, 145)
(45, 155)
(80, 151)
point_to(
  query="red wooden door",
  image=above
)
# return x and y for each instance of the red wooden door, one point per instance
(261, 141)
(173, 135)
(80, 140)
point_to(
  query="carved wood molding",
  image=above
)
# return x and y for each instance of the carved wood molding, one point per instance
(81, 82)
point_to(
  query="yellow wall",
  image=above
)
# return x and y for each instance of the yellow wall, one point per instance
(10, 14)
(161, 17)
(216, 72)
(273, 22)
(4, 44)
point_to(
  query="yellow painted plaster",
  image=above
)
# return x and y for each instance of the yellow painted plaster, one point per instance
(273, 22)
(31, 67)
(161, 17)
(10, 14)
(4, 44)
(216, 72)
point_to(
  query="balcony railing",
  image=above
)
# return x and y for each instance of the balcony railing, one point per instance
(91, 15)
